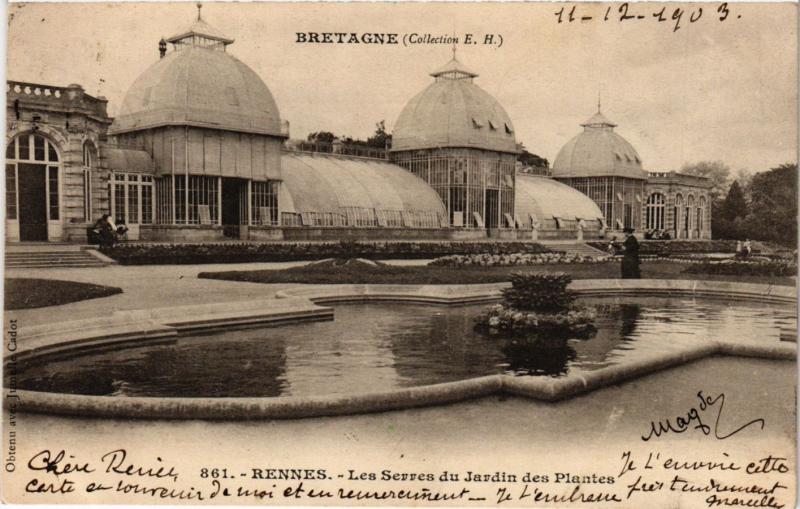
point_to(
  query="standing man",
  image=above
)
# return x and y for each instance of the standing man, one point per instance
(630, 258)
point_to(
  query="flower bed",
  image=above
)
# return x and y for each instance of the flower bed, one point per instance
(745, 268)
(238, 252)
(538, 308)
(666, 248)
(513, 259)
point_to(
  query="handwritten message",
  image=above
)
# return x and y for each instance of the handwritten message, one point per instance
(751, 482)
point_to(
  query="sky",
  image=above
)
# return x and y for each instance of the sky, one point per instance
(712, 90)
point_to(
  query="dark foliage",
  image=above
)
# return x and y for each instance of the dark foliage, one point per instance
(28, 293)
(778, 268)
(677, 247)
(539, 292)
(239, 252)
(773, 206)
(322, 273)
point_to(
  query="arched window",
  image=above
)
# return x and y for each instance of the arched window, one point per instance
(32, 188)
(677, 215)
(89, 158)
(701, 214)
(654, 212)
(691, 220)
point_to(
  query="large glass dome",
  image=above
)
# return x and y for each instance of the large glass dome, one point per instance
(453, 112)
(598, 151)
(199, 84)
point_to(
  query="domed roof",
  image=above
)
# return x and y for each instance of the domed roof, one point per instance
(453, 112)
(598, 151)
(331, 184)
(545, 198)
(199, 84)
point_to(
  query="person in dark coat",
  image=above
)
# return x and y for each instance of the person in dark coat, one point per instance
(630, 257)
(104, 231)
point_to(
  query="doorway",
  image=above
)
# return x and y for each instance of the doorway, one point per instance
(231, 206)
(492, 209)
(32, 182)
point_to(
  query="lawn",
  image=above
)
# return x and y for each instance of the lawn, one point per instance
(391, 274)
(27, 293)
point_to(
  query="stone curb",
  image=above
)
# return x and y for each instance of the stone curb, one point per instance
(543, 389)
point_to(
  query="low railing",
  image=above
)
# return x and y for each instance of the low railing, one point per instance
(335, 148)
(19, 87)
(73, 95)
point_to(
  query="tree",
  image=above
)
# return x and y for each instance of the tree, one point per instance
(735, 204)
(530, 159)
(727, 215)
(744, 177)
(322, 137)
(717, 171)
(773, 206)
(381, 139)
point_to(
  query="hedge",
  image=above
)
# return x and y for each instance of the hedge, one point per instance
(743, 268)
(672, 247)
(242, 252)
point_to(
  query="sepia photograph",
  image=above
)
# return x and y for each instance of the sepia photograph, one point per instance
(478, 254)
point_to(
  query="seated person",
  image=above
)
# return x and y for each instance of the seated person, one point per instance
(121, 228)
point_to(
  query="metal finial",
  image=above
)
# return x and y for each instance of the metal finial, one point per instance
(199, 8)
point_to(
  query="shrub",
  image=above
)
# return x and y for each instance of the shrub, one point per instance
(539, 292)
(781, 268)
(237, 252)
(537, 308)
(671, 247)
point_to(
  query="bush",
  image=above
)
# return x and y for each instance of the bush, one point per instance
(539, 292)
(537, 308)
(665, 248)
(780, 268)
(238, 252)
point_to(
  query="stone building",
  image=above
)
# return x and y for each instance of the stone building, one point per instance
(679, 204)
(56, 178)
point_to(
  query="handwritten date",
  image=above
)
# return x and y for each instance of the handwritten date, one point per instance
(676, 17)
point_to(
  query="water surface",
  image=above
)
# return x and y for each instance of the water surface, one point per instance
(376, 347)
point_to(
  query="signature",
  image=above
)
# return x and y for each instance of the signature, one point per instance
(694, 419)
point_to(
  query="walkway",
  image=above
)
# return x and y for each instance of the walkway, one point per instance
(152, 286)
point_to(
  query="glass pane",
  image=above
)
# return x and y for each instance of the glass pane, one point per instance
(52, 177)
(133, 204)
(24, 147)
(118, 211)
(87, 195)
(51, 152)
(147, 204)
(38, 148)
(11, 150)
(11, 191)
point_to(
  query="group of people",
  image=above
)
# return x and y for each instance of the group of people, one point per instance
(743, 249)
(630, 254)
(105, 232)
(657, 235)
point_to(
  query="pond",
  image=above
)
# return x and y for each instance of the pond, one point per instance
(384, 346)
